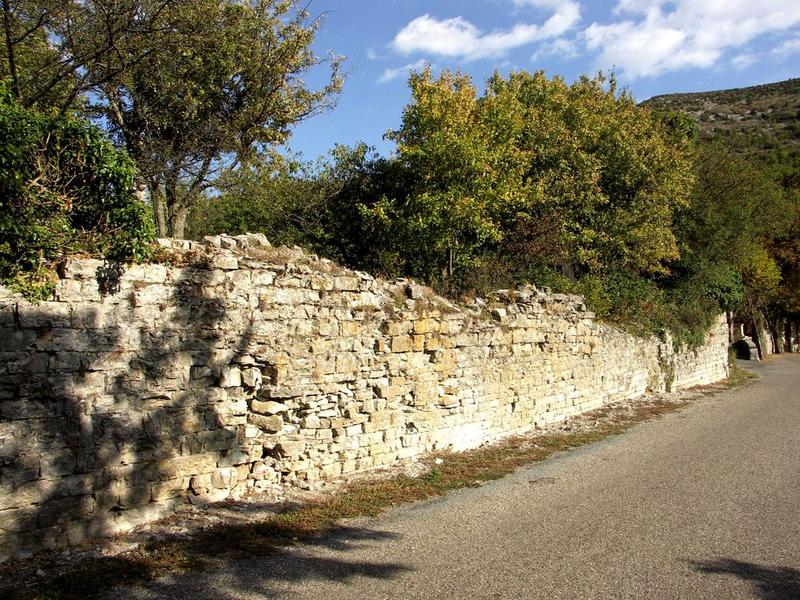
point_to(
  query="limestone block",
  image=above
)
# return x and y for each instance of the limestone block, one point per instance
(224, 262)
(422, 326)
(15, 519)
(349, 284)
(167, 490)
(396, 328)
(235, 457)
(252, 378)
(224, 478)
(369, 301)
(68, 290)
(26, 494)
(269, 407)
(44, 314)
(354, 430)
(201, 372)
(271, 424)
(155, 273)
(230, 377)
(184, 466)
(402, 343)
(262, 278)
(388, 392)
(433, 342)
(81, 268)
(150, 295)
(311, 421)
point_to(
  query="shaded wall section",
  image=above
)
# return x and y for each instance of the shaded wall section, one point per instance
(234, 367)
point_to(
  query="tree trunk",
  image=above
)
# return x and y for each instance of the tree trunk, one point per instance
(776, 329)
(762, 334)
(159, 209)
(450, 253)
(12, 65)
(179, 222)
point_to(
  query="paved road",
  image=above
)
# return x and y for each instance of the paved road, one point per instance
(700, 504)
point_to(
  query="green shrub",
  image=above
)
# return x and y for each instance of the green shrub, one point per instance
(64, 189)
(626, 299)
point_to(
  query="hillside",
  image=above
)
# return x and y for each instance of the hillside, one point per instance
(761, 121)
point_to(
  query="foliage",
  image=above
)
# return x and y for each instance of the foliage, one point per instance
(465, 175)
(223, 83)
(736, 210)
(611, 172)
(293, 203)
(284, 206)
(63, 188)
(603, 175)
(759, 130)
(536, 181)
(189, 87)
(51, 48)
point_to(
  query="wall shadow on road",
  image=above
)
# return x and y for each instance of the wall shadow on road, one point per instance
(251, 559)
(265, 574)
(769, 582)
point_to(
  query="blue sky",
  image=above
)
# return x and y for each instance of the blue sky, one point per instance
(654, 46)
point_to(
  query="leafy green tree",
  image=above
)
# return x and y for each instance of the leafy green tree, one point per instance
(463, 174)
(612, 171)
(191, 88)
(485, 172)
(286, 204)
(222, 84)
(63, 188)
(736, 212)
(52, 49)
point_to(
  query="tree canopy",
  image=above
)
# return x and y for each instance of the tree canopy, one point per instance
(190, 88)
(603, 174)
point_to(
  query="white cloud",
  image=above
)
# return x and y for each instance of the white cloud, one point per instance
(561, 48)
(657, 36)
(458, 38)
(742, 61)
(566, 14)
(787, 48)
(390, 74)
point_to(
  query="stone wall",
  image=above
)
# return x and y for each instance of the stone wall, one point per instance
(233, 367)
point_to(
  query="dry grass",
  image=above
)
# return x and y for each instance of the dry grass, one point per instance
(738, 377)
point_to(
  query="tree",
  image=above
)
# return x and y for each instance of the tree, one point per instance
(576, 177)
(315, 205)
(464, 173)
(63, 188)
(221, 85)
(51, 48)
(613, 172)
(736, 212)
(286, 204)
(190, 88)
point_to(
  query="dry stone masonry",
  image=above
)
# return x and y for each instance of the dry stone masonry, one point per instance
(233, 367)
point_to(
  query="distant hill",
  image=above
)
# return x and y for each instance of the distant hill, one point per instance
(761, 121)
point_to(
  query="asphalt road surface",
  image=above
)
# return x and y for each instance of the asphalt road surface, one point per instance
(704, 503)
